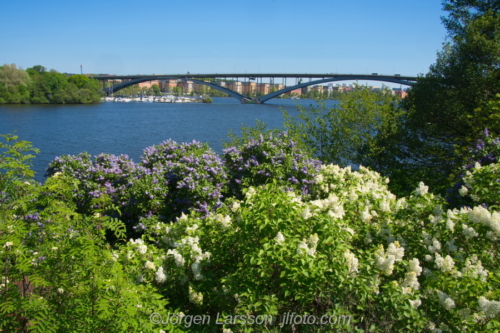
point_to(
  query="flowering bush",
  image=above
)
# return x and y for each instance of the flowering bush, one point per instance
(195, 175)
(486, 152)
(272, 157)
(352, 249)
(106, 174)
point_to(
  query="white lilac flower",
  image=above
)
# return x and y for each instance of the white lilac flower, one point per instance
(302, 247)
(306, 213)
(352, 261)
(142, 249)
(416, 303)
(414, 266)
(337, 211)
(491, 236)
(435, 219)
(385, 206)
(463, 191)
(60, 290)
(225, 221)
(446, 301)
(450, 225)
(445, 264)
(365, 215)
(318, 203)
(490, 308)
(194, 297)
(137, 241)
(8, 244)
(349, 230)
(386, 264)
(179, 259)
(396, 250)
(313, 240)
(469, 232)
(196, 268)
(191, 230)
(150, 265)
(474, 268)
(279, 238)
(54, 248)
(411, 281)
(435, 247)
(422, 189)
(160, 275)
(235, 206)
(481, 215)
(319, 178)
(250, 193)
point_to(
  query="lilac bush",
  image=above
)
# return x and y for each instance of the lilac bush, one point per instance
(195, 174)
(270, 157)
(485, 152)
(106, 174)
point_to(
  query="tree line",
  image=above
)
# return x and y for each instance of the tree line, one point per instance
(36, 85)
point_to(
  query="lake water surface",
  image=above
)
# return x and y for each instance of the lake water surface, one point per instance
(128, 128)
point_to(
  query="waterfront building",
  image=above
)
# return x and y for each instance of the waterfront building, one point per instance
(399, 92)
(236, 86)
(249, 88)
(186, 86)
(264, 88)
(148, 84)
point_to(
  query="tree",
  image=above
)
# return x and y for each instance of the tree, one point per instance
(156, 89)
(350, 132)
(177, 91)
(463, 12)
(454, 102)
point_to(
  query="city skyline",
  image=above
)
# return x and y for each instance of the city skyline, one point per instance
(221, 36)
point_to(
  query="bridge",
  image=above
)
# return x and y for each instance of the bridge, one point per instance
(213, 81)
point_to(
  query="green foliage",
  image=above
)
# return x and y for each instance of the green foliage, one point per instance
(248, 133)
(15, 160)
(450, 106)
(38, 86)
(463, 12)
(350, 132)
(207, 100)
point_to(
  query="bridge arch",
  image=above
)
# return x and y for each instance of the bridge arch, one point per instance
(340, 77)
(332, 79)
(126, 84)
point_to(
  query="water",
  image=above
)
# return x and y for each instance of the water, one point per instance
(128, 128)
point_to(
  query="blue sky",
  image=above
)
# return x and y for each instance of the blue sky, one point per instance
(168, 37)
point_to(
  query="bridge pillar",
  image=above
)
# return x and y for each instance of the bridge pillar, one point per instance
(250, 101)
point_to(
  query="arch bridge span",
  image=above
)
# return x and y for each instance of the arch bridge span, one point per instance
(200, 79)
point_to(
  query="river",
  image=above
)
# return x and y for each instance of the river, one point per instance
(128, 128)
